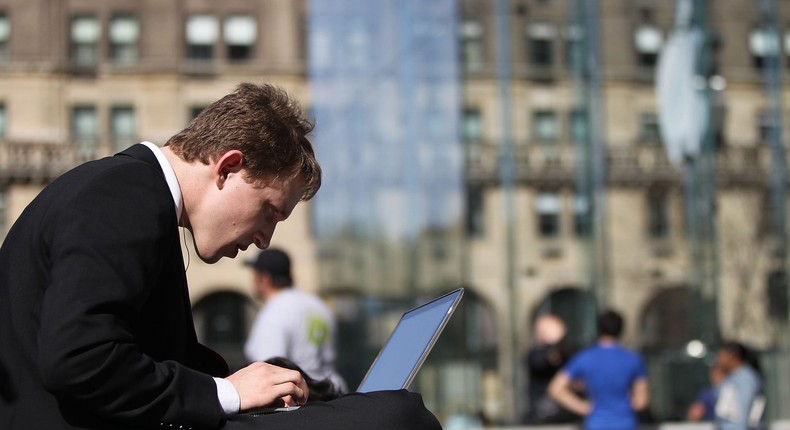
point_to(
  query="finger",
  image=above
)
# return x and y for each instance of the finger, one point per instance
(291, 393)
(282, 375)
(305, 390)
(298, 394)
(295, 378)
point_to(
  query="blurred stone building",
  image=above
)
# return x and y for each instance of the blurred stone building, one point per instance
(82, 79)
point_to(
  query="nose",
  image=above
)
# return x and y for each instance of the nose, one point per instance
(264, 237)
(260, 241)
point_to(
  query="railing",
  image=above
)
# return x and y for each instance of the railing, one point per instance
(626, 164)
(542, 163)
(538, 164)
(41, 162)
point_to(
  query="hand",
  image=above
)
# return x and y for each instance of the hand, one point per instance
(262, 384)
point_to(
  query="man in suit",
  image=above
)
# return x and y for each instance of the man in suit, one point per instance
(95, 320)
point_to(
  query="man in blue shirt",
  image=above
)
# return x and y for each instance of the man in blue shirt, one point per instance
(703, 407)
(613, 376)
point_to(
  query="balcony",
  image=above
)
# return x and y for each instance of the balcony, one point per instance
(41, 162)
(626, 165)
(534, 164)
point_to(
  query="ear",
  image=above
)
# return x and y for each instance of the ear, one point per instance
(228, 163)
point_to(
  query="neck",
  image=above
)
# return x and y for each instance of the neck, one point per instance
(607, 339)
(270, 291)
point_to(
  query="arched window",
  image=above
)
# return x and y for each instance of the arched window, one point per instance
(673, 317)
(463, 358)
(672, 324)
(576, 308)
(222, 322)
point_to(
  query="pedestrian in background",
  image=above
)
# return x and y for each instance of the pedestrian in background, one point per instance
(614, 377)
(740, 403)
(545, 358)
(292, 324)
(703, 407)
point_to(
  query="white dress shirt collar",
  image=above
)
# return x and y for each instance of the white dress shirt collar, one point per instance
(170, 177)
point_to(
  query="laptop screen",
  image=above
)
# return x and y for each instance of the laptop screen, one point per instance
(409, 344)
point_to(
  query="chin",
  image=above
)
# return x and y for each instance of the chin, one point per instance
(208, 258)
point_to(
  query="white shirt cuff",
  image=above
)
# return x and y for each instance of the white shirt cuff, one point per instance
(228, 396)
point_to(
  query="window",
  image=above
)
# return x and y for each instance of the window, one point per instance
(222, 322)
(573, 47)
(85, 33)
(475, 212)
(581, 215)
(787, 43)
(124, 35)
(547, 206)
(578, 125)
(472, 50)
(766, 128)
(541, 44)
(658, 213)
(320, 52)
(544, 126)
(202, 32)
(472, 126)
(776, 289)
(123, 127)
(3, 122)
(648, 128)
(762, 44)
(5, 34)
(240, 32)
(194, 111)
(357, 45)
(472, 133)
(85, 130)
(766, 225)
(648, 41)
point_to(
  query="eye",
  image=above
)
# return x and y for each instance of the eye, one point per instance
(278, 215)
(273, 212)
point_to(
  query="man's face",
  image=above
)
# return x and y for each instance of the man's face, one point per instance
(240, 213)
(726, 361)
(259, 283)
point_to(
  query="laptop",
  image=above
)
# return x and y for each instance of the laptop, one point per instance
(409, 344)
(405, 350)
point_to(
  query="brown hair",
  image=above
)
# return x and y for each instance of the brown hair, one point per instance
(262, 122)
(321, 390)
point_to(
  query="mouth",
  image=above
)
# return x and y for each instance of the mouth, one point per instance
(236, 249)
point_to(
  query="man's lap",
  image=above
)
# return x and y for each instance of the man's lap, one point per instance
(381, 410)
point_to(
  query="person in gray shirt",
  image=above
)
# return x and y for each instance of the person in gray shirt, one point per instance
(740, 403)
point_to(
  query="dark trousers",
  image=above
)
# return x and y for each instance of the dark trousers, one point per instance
(381, 410)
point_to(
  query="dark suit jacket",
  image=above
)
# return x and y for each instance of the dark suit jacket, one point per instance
(96, 328)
